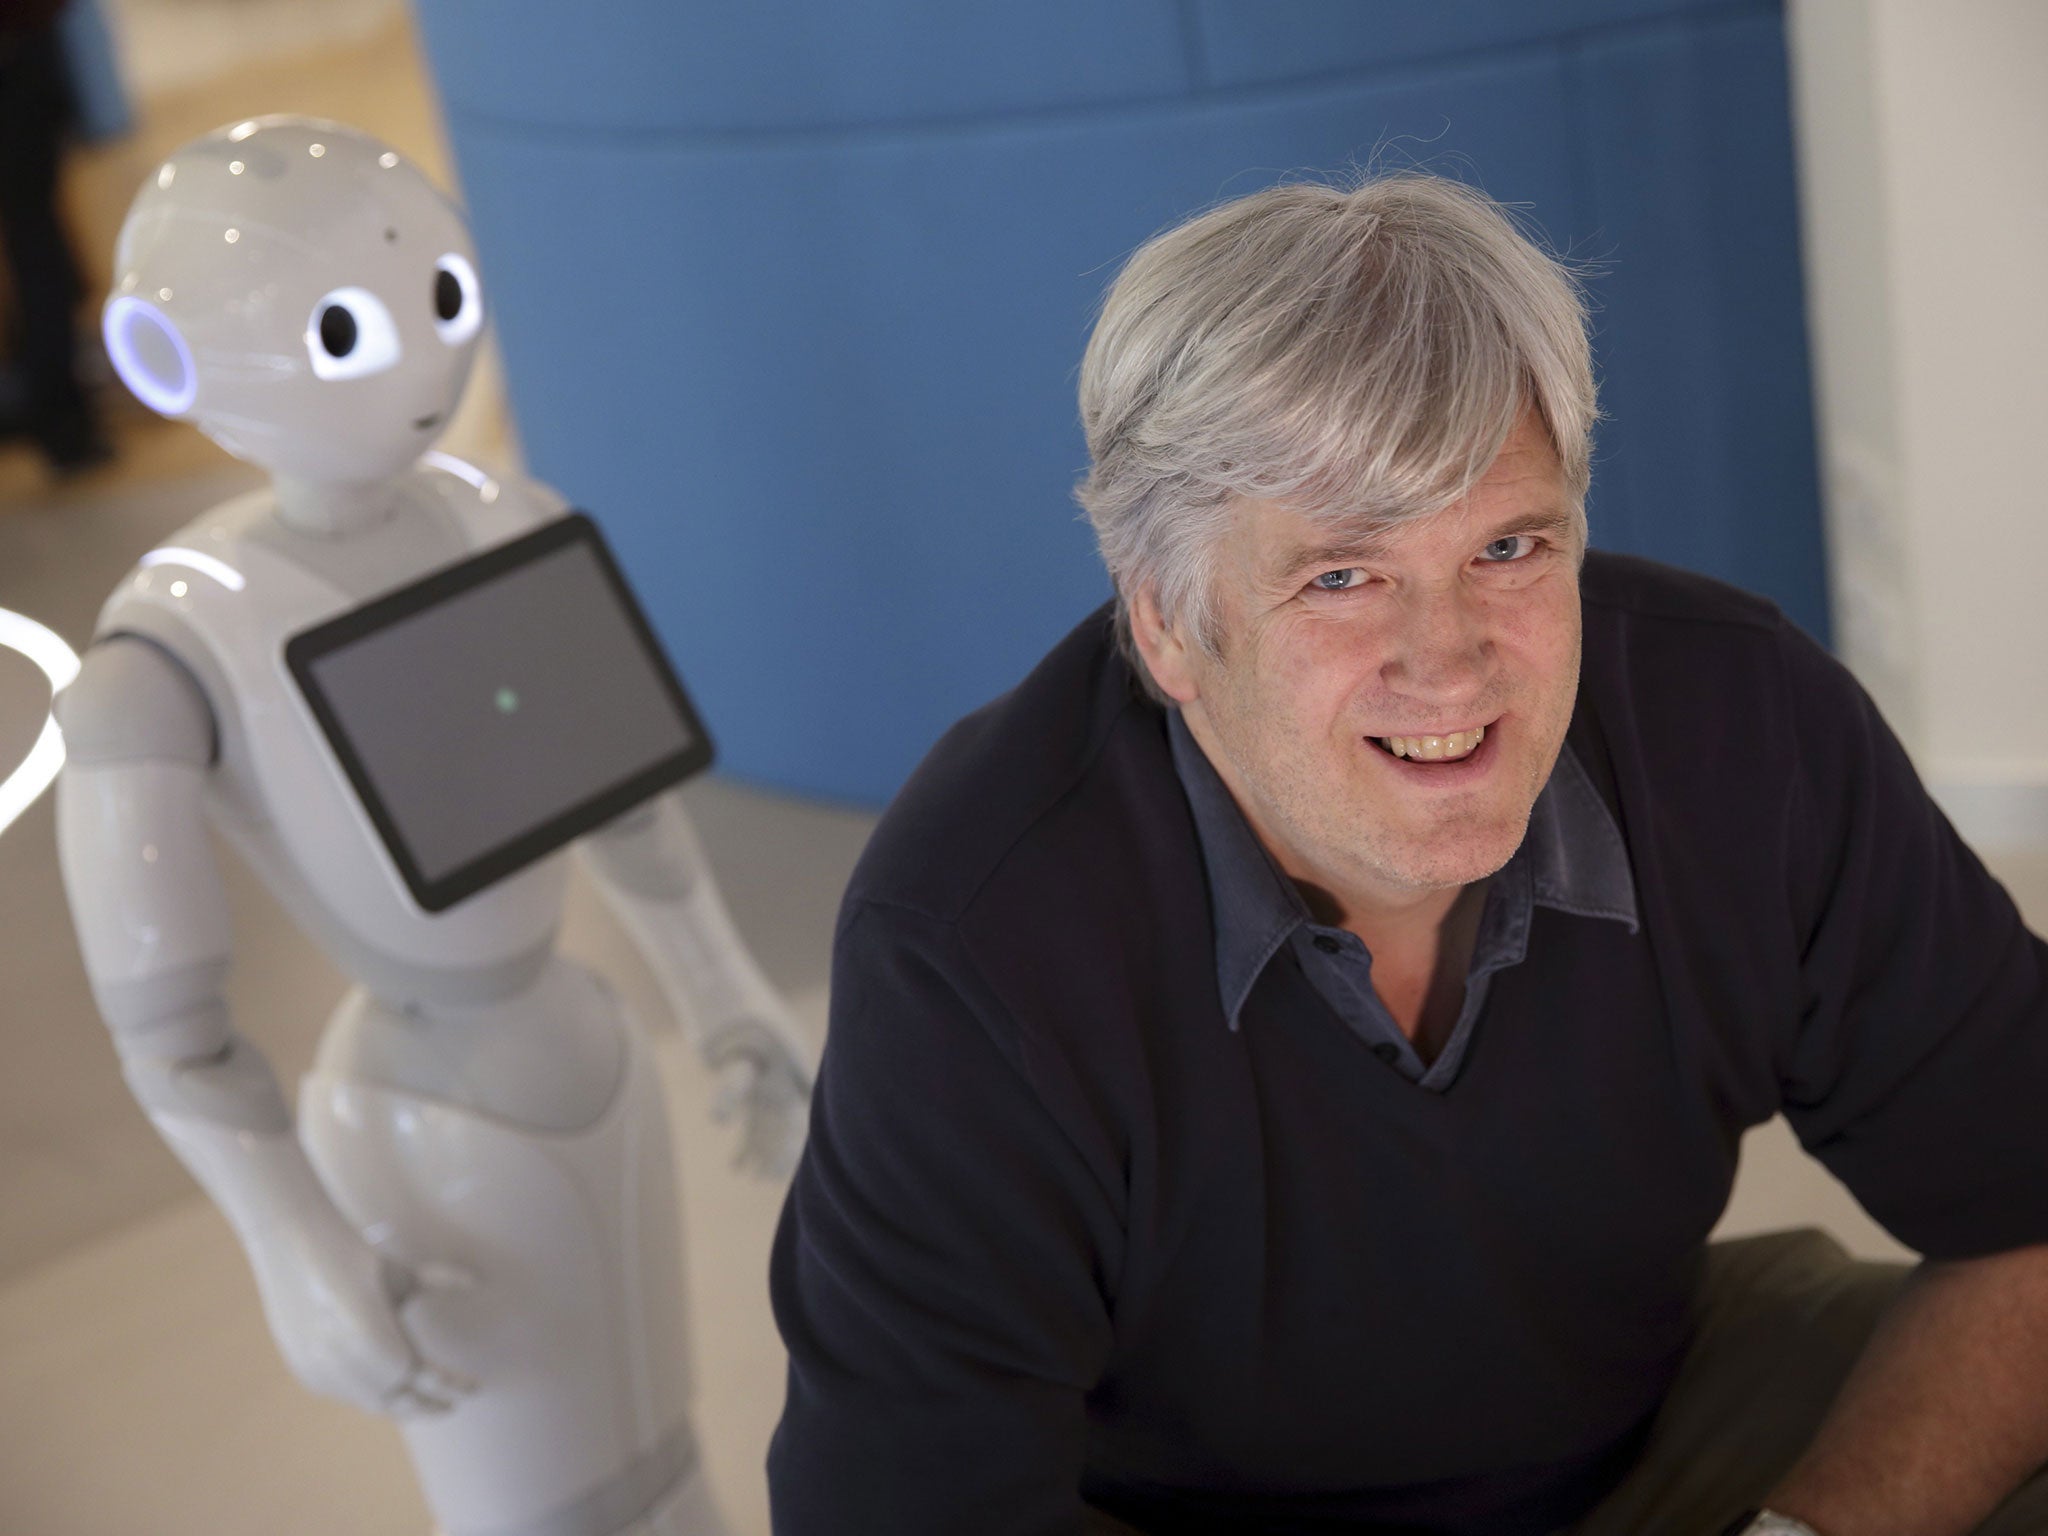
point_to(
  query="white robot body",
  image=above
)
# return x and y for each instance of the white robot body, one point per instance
(557, 1262)
(151, 928)
(472, 1226)
(222, 596)
(495, 1131)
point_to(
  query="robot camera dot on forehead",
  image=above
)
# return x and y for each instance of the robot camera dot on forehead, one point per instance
(301, 293)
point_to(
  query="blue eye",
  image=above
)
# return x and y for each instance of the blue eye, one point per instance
(1503, 551)
(1338, 581)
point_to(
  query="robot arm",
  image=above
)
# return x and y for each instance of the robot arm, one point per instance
(651, 867)
(151, 916)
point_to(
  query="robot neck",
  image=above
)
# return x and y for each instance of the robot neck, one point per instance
(334, 510)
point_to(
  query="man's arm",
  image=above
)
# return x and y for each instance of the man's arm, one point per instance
(1918, 1075)
(1945, 1414)
(942, 1269)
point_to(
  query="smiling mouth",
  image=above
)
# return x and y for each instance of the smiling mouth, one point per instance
(1451, 747)
(426, 423)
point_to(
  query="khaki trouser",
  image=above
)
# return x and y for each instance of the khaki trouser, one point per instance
(1782, 1318)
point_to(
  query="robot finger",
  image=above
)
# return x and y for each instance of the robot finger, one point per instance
(426, 1392)
(400, 1282)
(733, 1086)
(407, 1403)
(770, 1148)
(442, 1384)
(437, 1275)
(746, 1157)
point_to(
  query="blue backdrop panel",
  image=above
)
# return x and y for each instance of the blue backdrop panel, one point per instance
(769, 66)
(1281, 40)
(1709, 462)
(804, 333)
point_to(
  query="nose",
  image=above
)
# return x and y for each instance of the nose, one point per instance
(1442, 650)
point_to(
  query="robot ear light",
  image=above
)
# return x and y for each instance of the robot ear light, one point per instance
(350, 334)
(149, 355)
(458, 299)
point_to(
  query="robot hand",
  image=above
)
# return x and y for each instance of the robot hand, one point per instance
(336, 1308)
(652, 869)
(762, 1074)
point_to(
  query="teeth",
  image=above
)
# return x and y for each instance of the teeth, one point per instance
(1435, 749)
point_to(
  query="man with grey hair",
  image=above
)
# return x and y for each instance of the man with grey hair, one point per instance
(1288, 1054)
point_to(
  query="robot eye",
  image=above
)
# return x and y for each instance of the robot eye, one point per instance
(458, 299)
(338, 330)
(350, 334)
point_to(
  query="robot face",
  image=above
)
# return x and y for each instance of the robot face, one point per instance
(302, 293)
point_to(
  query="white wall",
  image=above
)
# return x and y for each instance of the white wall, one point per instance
(1923, 148)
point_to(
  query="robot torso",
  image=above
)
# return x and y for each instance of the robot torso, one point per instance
(223, 596)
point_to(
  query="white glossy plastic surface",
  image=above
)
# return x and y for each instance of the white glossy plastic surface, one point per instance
(654, 876)
(278, 791)
(145, 896)
(231, 252)
(565, 1304)
(473, 1225)
(332, 1303)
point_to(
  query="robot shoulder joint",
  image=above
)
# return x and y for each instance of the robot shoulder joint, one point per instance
(134, 701)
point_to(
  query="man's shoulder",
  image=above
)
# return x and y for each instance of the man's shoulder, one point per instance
(1683, 677)
(1648, 590)
(1667, 644)
(1033, 755)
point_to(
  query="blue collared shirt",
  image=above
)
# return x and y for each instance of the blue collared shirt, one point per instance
(1572, 859)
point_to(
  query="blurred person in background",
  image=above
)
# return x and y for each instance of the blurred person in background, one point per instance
(50, 403)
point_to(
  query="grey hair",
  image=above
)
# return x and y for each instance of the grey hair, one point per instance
(1356, 353)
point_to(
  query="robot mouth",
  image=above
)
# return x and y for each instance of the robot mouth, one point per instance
(426, 423)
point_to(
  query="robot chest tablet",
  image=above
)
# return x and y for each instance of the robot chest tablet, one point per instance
(492, 711)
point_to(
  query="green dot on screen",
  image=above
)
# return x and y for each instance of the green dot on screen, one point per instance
(506, 700)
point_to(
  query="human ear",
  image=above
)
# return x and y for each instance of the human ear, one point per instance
(1169, 656)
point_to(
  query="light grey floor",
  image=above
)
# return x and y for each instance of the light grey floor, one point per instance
(138, 1390)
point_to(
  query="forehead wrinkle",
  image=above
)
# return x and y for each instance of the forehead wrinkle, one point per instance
(1377, 543)
(1325, 557)
(1555, 520)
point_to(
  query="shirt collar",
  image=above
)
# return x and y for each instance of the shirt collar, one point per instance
(1572, 858)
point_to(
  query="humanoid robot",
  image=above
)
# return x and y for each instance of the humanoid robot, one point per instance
(472, 1225)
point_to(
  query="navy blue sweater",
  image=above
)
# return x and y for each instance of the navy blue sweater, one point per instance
(1061, 1235)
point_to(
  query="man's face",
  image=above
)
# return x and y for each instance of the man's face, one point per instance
(1463, 620)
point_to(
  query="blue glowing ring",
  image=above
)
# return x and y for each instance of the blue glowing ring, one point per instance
(124, 312)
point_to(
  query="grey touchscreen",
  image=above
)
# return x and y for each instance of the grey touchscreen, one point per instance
(489, 714)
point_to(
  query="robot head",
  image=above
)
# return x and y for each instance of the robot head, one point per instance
(302, 294)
